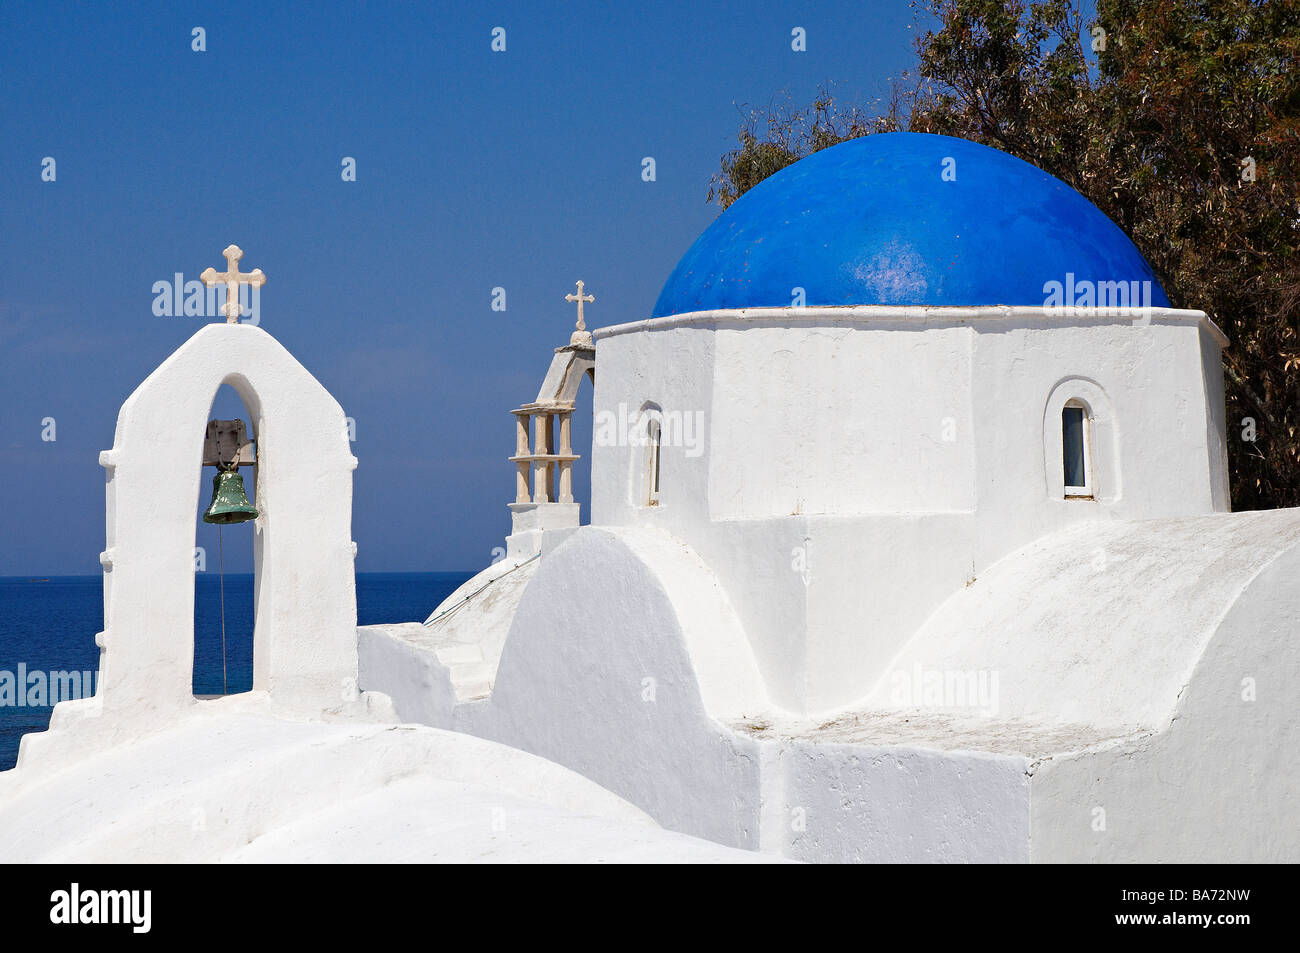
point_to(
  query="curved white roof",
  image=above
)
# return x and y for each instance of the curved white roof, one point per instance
(231, 783)
(1099, 626)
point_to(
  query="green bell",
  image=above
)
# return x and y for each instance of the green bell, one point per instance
(229, 501)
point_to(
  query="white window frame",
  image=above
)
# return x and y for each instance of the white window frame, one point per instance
(654, 436)
(1084, 492)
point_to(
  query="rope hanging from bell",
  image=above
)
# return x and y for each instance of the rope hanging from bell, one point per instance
(229, 504)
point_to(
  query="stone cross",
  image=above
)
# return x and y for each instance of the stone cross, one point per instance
(580, 298)
(580, 337)
(232, 278)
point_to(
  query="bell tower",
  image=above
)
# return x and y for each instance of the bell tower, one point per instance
(544, 467)
(304, 654)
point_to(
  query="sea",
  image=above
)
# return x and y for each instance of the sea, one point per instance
(48, 626)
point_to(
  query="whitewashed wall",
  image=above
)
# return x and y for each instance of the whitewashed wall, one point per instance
(859, 465)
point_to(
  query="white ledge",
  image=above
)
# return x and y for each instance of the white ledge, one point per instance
(919, 315)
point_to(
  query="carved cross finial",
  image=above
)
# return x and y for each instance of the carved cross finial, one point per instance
(580, 298)
(580, 337)
(232, 278)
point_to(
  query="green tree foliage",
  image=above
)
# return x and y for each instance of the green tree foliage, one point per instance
(1157, 111)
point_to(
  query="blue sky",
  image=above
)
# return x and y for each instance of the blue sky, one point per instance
(475, 170)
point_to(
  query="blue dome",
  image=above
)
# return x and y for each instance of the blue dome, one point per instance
(871, 221)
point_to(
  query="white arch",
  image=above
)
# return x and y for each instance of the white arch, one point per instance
(304, 652)
(641, 455)
(1103, 434)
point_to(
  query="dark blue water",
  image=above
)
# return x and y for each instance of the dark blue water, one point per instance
(49, 625)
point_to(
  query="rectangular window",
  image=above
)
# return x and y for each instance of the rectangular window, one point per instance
(1074, 451)
(653, 475)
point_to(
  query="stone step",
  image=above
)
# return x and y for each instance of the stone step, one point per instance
(473, 680)
(459, 654)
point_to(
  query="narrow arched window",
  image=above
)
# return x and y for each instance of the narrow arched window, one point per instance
(1076, 457)
(652, 460)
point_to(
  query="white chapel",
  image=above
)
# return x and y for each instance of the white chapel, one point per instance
(909, 540)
